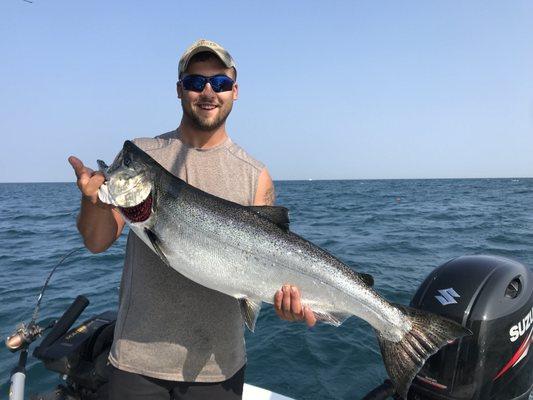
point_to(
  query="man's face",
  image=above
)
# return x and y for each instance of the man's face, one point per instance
(207, 110)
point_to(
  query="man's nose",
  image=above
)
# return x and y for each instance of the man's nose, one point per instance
(208, 90)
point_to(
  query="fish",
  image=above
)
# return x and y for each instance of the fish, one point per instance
(249, 252)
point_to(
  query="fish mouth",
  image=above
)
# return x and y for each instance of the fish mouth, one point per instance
(140, 212)
(131, 193)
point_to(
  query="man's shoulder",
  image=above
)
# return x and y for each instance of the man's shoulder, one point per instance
(154, 143)
(167, 142)
(242, 156)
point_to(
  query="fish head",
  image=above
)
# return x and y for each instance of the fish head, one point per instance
(129, 183)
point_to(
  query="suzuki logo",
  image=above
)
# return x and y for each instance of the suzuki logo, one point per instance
(447, 296)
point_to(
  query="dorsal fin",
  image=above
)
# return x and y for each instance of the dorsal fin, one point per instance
(367, 279)
(277, 214)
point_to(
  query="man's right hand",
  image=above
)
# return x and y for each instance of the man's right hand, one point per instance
(99, 223)
(88, 181)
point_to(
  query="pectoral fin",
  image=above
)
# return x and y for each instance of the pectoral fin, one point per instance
(156, 244)
(250, 309)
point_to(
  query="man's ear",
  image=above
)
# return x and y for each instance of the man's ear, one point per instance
(235, 91)
(179, 90)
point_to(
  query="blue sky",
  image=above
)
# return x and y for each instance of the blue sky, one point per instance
(328, 90)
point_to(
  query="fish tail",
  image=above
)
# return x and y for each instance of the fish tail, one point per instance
(429, 332)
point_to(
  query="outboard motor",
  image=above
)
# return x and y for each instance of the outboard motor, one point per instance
(493, 297)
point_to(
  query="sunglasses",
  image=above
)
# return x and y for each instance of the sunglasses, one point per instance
(196, 83)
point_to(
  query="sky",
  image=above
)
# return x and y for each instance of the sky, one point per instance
(328, 89)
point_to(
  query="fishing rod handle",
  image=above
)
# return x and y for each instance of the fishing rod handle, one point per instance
(66, 321)
(18, 377)
(16, 390)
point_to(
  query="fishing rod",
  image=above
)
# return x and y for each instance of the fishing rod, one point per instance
(25, 334)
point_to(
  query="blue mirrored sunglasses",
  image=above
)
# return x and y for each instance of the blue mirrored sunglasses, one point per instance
(196, 83)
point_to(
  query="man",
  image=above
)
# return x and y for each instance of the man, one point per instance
(173, 337)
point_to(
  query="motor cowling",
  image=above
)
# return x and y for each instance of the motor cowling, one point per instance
(493, 297)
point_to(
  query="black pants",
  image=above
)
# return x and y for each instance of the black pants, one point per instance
(128, 386)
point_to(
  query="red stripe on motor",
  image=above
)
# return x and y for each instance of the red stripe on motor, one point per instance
(432, 382)
(523, 347)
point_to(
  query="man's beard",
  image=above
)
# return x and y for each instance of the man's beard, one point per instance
(205, 124)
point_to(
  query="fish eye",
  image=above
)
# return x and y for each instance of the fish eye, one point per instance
(127, 160)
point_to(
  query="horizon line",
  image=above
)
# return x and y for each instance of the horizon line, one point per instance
(327, 179)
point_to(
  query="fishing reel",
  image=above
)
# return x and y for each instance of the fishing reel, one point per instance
(24, 335)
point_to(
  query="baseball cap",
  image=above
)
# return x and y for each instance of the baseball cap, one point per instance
(205, 45)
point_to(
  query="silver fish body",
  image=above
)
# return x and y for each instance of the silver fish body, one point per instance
(235, 250)
(249, 253)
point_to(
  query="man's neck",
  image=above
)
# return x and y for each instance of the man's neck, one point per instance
(202, 139)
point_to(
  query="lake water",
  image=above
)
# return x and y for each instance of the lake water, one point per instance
(396, 230)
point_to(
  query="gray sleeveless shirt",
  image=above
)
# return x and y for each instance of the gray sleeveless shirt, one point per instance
(169, 327)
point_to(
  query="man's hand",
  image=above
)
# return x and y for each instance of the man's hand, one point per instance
(99, 224)
(88, 181)
(289, 307)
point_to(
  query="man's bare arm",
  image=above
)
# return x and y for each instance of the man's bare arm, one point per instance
(265, 194)
(98, 223)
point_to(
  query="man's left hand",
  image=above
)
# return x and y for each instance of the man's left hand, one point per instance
(289, 307)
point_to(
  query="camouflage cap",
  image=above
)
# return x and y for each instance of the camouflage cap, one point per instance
(205, 45)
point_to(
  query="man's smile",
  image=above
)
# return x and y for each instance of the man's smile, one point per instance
(207, 106)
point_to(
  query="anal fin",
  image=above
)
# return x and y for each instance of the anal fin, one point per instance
(332, 318)
(250, 309)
